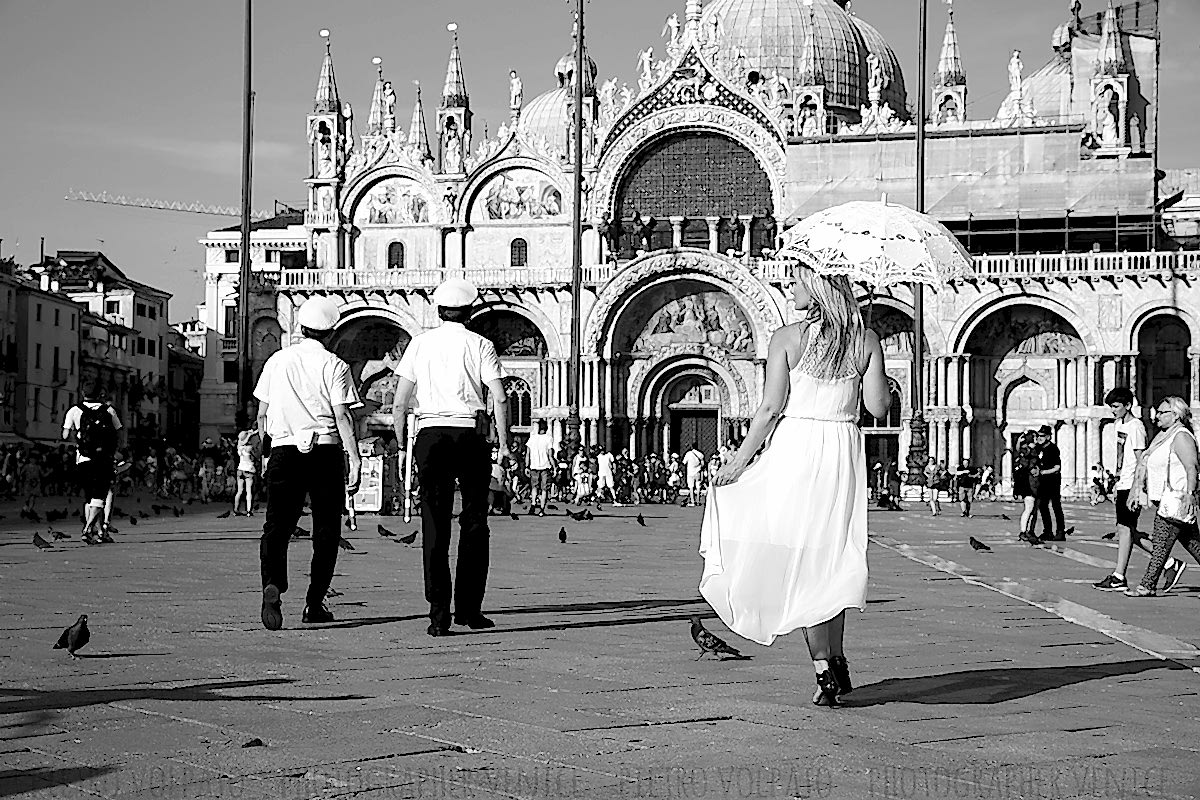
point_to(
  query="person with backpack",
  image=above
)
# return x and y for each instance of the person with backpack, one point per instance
(94, 425)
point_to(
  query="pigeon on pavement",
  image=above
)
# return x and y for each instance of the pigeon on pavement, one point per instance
(384, 531)
(552, 507)
(513, 517)
(345, 545)
(133, 519)
(562, 534)
(641, 520)
(709, 643)
(41, 543)
(74, 637)
(412, 537)
(578, 516)
(1005, 516)
(57, 535)
(978, 545)
(223, 514)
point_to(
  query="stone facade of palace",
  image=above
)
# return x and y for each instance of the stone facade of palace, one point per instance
(752, 115)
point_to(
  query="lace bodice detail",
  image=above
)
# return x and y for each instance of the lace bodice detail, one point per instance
(827, 399)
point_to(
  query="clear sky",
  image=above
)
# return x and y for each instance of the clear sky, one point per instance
(143, 97)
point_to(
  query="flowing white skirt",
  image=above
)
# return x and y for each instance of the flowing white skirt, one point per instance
(785, 547)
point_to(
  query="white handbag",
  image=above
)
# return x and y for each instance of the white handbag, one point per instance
(1172, 503)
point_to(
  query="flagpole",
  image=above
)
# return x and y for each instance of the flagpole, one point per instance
(243, 332)
(918, 449)
(573, 379)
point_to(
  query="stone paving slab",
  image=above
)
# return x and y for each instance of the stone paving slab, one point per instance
(589, 685)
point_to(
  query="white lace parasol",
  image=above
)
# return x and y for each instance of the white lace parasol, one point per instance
(878, 244)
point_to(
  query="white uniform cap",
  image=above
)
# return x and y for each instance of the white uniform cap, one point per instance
(455, 292)
(318, 314)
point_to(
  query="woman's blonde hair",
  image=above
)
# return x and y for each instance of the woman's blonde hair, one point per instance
(1183, 411)
(841, 329)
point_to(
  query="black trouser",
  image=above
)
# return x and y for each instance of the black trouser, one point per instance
(1049, 497)
(291, 476)
(442, 456)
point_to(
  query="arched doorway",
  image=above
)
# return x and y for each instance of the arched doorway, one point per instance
(513, 334)
(1163, 368)
(691, 411)
(1020, 371)
(372, 346)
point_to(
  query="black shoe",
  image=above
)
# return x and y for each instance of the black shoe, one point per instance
(1029, 537)
(316, 614)
(475, 622)
(1058, 537)
(438, 630)
(841, 671)
(272, 609)
(827, 690)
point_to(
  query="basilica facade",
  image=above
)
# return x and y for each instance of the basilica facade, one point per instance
(749, 116)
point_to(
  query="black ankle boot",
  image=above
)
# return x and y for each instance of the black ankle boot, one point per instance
(841, 671)
(827, 690)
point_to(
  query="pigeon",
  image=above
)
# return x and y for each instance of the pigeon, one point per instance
(552, 507)
(332, 592)
(708, 643)
(133, 519)
(562, 535)
(1069, 530)
(223, 514)
(513, 517)
(255, 742)
(41, 543)
(74, 637)
(641, 520)
(587, 515)
(578, 516)
(345, 545)
(178, 511)
(978, 545)
(412, 537)
(384, 531)
(1109, 535)
(1005, 516)
(58, 535)
(299, 533)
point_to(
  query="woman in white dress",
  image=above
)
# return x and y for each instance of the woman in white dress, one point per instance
(785, 536)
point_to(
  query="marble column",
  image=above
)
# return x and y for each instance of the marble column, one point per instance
(1194, 358)
(453, 249)
(745, 243)
(677, 231)
(713, 237)
(955, 381)
(1066, 447)
(954, 449)
(1092, 453)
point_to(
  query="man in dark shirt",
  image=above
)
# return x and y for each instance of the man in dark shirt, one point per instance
(964, 486)
(1049, 491)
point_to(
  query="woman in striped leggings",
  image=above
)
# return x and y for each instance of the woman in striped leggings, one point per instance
(1171, 462)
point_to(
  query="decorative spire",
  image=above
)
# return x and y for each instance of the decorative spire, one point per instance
(454, 93)
(418, 136)
(378, 104)
(811, 71)
(327, 94)
(1111, 58)
(950, 66)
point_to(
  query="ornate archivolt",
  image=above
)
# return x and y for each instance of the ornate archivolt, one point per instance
(716, 119)
(648, 378)
(438, 209)
(703, 265)
(973, 315)
(469, 197)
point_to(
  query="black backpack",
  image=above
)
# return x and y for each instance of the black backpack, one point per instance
(97, 436)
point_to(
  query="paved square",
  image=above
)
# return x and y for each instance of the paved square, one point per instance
(978, 675)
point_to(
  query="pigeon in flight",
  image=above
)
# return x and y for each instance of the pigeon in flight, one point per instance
(578, 516)
(641, 520)
(562, 535)
(412, 537)
(709, 643)
(978, 545)
(74, 637)
(345, 545)
(41, 543)
(384, 531)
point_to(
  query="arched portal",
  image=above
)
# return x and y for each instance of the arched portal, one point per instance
(1163, 368)
(514, 335)
(372, 346)
(1023, 375)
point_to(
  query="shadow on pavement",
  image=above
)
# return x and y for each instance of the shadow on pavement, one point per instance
(987, 686)
(26, 700)
(18, 781)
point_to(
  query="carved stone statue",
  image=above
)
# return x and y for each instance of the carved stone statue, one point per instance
(1107, 128)
(451, 151)
(389, 108)
(1015, 68)
(646, 66)
(641, 230)
(876, 79)
(808, 120)
(672, 26)
(516, 91)
(607, 97)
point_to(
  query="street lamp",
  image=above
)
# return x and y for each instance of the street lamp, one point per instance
(573, 368)
(918, 447)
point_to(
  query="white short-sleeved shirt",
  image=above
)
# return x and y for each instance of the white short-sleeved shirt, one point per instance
(1131, 437)
(541, 451)
(75, 415)
(301, 384)
(604, 464)
(449, 366)
(693, 460)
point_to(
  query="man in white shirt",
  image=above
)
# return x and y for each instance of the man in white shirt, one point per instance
(693, 463)
(604, 474)
(539, 460)
(305, 396)
(94, 425)
(446, 370)
(1131, 443)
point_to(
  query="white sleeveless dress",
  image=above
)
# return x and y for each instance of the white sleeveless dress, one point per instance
(785, 546)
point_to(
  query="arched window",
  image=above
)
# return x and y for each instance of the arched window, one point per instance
(518, 253)
(396, 255)
(520, 402)
(892, 420)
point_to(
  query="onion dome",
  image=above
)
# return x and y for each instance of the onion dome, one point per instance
(773, 35)
(545, 116)
(564, 70)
